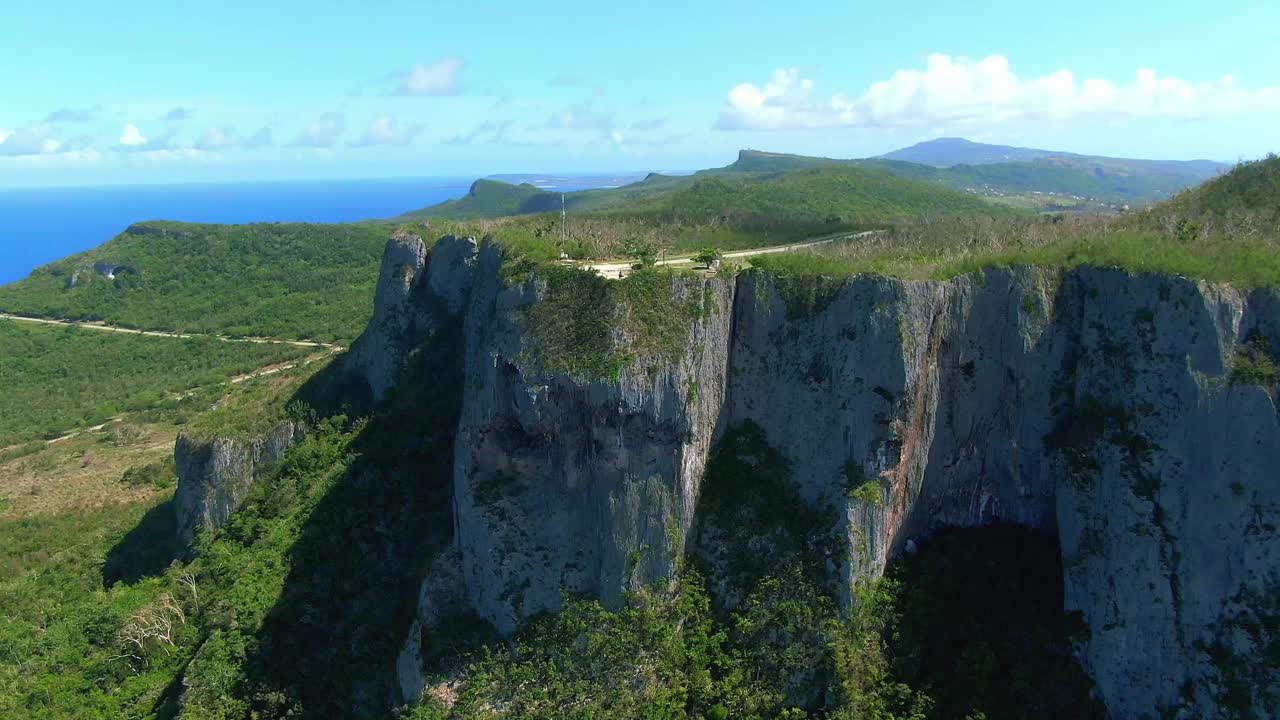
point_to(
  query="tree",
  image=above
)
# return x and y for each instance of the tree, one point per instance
(709, 257)
(645, 253)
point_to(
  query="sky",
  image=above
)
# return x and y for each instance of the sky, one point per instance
(150, 92)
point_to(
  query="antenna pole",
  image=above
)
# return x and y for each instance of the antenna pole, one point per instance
(562, 219)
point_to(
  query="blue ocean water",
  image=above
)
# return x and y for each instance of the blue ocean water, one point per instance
(38, 226)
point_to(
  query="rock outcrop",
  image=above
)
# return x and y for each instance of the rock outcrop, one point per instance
(1094, 405)
(214, 476)
(565, 483)
(413, 296)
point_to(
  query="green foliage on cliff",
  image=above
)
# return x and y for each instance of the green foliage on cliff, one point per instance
(284, 280)
(588, 326)
(934, 253)
(58, 379)
(1254, 363)
(977, 625)
(969, 627)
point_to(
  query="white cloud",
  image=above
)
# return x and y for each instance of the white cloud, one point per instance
(224, 137)
(961, 90)
(133, 141)
(581, 118)
(440, 78)
(385, 130)
(323, 132)
(217, 138)
(131, 136)
(485, 132)
(74, 158)
(34, 140)
(179, 114)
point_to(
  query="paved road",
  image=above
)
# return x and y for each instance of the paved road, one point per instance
(160, 333)
(615, 270)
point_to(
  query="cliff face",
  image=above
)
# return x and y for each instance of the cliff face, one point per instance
(215, 476)
(413, 297)
(581, 485)
(1094, 405)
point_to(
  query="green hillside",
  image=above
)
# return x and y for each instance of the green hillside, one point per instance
(1040, 173)
(59, 378)
(835, 194)
(1100, 179)
(760, 188)
(1252, 188)
(286, 280)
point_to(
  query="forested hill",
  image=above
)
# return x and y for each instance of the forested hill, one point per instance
(758, 185)
(1252, 188)
(287, 280)
(994, 172)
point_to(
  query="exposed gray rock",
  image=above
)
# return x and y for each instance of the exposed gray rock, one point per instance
(214, 476)
(111, 270)
(569, 484)
(1091, 404)
(442, 592)
(405, 308)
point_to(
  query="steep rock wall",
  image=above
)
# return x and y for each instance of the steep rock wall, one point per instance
(417, 288)
(214, 476)
(1095, 405)
(1169, 498)
(565, 483)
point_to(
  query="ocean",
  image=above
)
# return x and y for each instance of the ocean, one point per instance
(38, 226)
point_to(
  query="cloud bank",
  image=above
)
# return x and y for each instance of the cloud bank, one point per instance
(961, 90)
(323, 132)
(34, 140)
(386, 130)
(441, 78)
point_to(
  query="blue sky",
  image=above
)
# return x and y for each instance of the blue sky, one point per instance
(156, 92)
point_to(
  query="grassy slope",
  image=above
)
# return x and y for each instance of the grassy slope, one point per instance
(1103, 178)
(1225, 230)
(783, 188)
(59, 378)
(836, 195)
(1250, 187)
(1065, 176)
(286, 280)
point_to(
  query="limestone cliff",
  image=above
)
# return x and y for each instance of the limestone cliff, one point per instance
(569, 483)
(416, 291)
(214, 476)
(1094, 405)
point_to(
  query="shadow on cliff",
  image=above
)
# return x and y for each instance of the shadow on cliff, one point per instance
(976, 621)
(146, 550)
(330, 642)
(1057, 348)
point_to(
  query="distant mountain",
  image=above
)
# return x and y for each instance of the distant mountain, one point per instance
(758, 188)
(945, 152)
(1024, 177)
